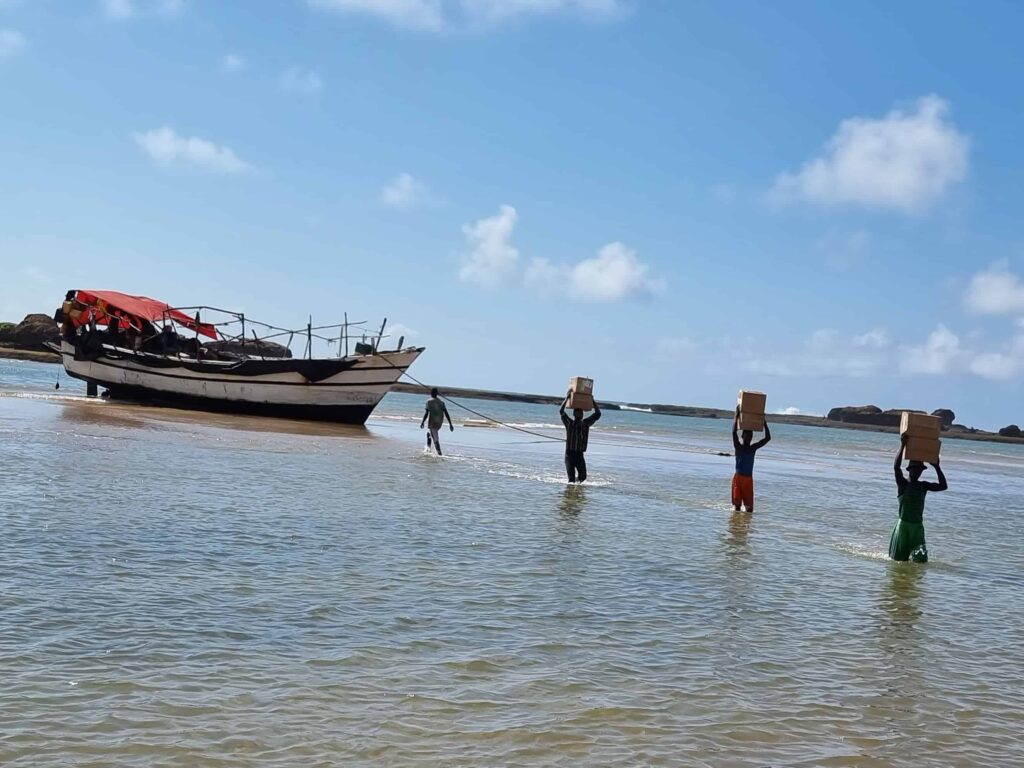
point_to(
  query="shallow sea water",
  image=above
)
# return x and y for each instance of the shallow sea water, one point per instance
(181, 589)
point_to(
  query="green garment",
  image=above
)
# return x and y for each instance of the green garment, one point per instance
(907, 540)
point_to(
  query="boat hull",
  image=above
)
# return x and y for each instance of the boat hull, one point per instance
(343, 391)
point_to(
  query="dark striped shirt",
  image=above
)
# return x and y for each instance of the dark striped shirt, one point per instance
(578, 432)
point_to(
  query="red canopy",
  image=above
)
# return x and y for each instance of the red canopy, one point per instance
(156, 312)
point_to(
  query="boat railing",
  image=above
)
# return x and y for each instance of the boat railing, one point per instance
(238, 327)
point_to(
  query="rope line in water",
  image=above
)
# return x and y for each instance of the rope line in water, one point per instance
(491, 419)
(456, 403)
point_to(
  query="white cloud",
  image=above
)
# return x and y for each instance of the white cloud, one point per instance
(11, 43)
(878, 338)
(405, 192)
(614, 274)
(940, 353)
(492, 257)
(397, 331)
(996, 291)
(166, 147)
(232, 62)
(445, 15)
(129, 9)
(302, 80)
(903, 161)
(997, 365)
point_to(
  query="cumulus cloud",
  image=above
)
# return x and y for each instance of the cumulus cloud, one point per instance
(940, 353)
(120, 10)
(232, 62)
(996, 291)
(614, 274)
(491, 258)
(878, 338)
(11, 43)
(405, 192)
(446, 15)
(302, 80)
(904, 161)
(166, 147)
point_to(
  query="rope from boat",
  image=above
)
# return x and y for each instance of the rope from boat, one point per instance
(456, 403)
(549, 437)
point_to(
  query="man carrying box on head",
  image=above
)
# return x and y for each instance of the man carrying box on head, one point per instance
(743, 479)
(577, 433)
(916, 441)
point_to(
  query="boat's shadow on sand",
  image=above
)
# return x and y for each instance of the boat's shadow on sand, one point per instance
(125, 413)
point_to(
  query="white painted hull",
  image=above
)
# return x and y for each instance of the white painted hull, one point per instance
(347, 396)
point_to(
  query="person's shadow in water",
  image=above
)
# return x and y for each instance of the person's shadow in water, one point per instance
(573, 501)
(739, 531)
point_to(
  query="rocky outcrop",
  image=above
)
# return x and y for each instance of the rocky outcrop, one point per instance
(251, 349)
(874, 416)
(1011, 431)
(30, 333)
(865, 414)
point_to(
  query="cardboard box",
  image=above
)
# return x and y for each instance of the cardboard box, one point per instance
(924, 449)
(751, 421)
(914, 424)
(582, 385)
(751, 402)
(582, 401)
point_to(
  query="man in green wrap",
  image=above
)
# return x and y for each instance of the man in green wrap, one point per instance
(907, 540)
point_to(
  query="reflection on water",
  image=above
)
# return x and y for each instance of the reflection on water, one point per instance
(573, 500)
(739, 530)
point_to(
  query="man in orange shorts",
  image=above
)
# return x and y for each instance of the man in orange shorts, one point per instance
(743, 480)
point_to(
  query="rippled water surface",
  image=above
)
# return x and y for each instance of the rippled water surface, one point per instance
(181, 589)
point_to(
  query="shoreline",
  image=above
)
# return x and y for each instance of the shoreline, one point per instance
(697, 412)
(660, 409)
(30, 355)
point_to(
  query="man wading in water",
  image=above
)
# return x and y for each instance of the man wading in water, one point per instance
(907, 540)
(577, 432)
(436, 412)
(743, 480)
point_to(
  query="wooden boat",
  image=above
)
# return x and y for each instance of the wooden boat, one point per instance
(140, 348)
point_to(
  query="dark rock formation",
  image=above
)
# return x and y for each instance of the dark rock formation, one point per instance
(865, 414)
(30, 333)
(874, 416)
(850, 412)
(1011, 431)
(251, 349)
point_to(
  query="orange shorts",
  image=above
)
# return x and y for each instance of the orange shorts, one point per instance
(743, 492)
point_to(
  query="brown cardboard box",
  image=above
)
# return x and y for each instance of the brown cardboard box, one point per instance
(582, 401)
(752, 421)
(924, 449)
(751, 402)
(582, 385)
(914, 424)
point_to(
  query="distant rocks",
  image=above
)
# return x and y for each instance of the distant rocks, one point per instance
(249, 349)
(874, 416)
(30, 333)
(1011, 431)
(871, 415)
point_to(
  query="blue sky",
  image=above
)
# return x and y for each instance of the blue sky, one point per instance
(678, 199)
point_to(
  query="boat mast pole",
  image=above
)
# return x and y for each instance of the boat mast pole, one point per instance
(243, 331)
(309, 339)
(346, 334)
